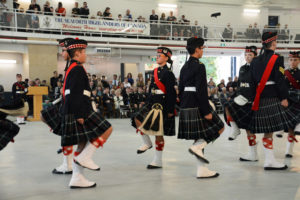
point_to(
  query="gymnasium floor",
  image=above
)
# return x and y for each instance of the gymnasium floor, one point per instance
(25, 170)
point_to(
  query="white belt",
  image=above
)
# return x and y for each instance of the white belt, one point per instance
(158, 92)
(190, 89)
(85, 92)
(20, 92)
(270, 83)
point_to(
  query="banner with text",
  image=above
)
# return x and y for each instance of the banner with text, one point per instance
(93, 25)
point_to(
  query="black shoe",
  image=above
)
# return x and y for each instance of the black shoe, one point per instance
(140, 151)
(54, 171)
(288, 155)
(230, 138)
(274, 168)
(98, 169)
(279, 135)
(22, 123)
(245, 160)
(214, 176)
(153, 167)
(78, 187)
(199, 157)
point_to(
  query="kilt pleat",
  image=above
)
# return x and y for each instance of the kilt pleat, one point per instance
(240, 114)
(73, 132)
(272, 117)
(8, 130)
(53, 118)
(192, 126)
(141, 114)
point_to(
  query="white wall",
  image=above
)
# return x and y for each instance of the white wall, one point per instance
(193, 11)
(8, 71)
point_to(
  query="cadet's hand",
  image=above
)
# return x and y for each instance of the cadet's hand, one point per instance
(170, 115)
(285, 103)
(208, 117)
(80, 121)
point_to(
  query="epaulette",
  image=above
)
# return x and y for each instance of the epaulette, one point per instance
(281, 69)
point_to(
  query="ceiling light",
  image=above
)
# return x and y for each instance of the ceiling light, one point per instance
(254, 11)
(8, 61)
(164, 5)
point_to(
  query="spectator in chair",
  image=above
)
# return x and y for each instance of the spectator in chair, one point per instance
(37, 82)
(126, 83)
(115, 82)
(57, 90)
(53, 80)
(229, 84)
(118, 100)
(105, 84)
(140, 80)
(130, 79)
(235, 83)
(107, 101)
(96, 99)
(221, 85)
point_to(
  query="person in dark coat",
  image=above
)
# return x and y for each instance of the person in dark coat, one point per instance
(81, 125)
(19, 90)
(107, 101)
(271, 98)
(197, 120)
(292, 78)
(8, 129)
(52, 116)
(157, 117)
(238, 111)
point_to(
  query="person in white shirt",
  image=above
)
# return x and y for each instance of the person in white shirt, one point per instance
(126, 83)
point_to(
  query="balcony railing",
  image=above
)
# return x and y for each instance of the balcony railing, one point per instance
(43, 23)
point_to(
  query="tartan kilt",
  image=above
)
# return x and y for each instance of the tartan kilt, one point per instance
(73, 132)
(169, 123)
(241, 115)
(53, 117)
(192, 126)
(294, 95)
(272, 117)
(8, 131)
(295, 109)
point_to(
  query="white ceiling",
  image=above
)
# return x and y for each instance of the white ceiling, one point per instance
(276, 4)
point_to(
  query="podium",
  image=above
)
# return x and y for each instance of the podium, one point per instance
(37, 93)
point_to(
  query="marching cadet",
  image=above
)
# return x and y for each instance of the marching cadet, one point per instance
(238, 111)
(292, 77)
(156, 117)
(81, 125)
(270, 103)
(52, 117)
(8, 129)
(19, 90)
(197, 120)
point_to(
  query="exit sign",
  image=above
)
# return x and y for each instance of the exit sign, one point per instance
(153, 59)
